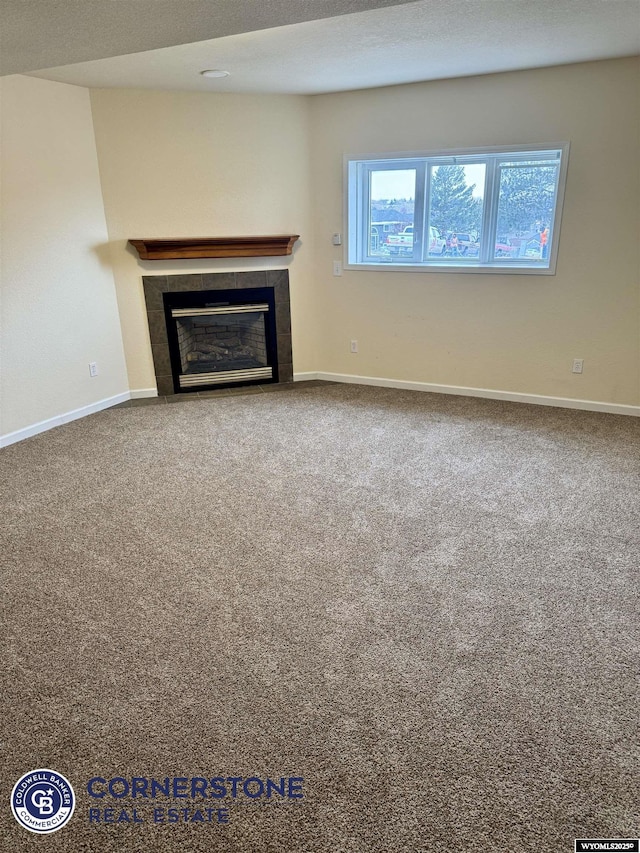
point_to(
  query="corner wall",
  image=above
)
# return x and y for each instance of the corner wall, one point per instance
(179, 164)
(514, 333)
(58, 306)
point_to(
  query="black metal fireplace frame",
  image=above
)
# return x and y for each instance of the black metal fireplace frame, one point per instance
(196, 299)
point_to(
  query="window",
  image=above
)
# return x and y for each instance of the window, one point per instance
(475, 210)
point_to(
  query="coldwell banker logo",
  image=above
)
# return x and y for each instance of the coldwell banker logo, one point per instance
(42, 801)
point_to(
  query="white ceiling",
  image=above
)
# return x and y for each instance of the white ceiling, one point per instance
(423, 40)
(37, 34)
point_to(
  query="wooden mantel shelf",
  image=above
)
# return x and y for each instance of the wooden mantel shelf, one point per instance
(215, 247)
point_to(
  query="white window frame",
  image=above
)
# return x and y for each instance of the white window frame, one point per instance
(355, 216)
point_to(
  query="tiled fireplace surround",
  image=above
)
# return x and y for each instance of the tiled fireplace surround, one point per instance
(155, 285)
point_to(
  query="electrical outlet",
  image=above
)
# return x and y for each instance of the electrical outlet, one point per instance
(337, 268)
(577, 365)
(354, 346)
(93, 368)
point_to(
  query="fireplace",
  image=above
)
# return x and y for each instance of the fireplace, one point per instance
(218, 330)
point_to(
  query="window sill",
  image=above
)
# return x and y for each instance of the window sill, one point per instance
(493, 269)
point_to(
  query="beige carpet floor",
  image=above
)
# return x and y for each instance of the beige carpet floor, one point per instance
(424, 606)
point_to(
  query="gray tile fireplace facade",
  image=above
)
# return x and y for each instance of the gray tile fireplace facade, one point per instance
(155, 285)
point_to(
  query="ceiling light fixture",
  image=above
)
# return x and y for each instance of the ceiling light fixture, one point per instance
(212, 72)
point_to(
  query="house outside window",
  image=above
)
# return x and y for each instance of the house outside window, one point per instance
(477, 210)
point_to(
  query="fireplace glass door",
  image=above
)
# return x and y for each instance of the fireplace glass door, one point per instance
(218, 342)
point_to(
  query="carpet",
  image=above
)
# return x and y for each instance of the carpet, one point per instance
(400, 621)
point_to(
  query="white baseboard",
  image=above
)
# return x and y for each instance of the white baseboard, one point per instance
(491, 394)
(50, 423)
(139, 393)
(304, 377)
(488, 393)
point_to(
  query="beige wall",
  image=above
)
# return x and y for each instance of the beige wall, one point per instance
(507, 332)
(58, 304)
(184, 165)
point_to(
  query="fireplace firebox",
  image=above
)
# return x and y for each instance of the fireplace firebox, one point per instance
(221, 338)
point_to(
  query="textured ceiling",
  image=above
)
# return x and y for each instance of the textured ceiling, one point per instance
(38, 34)
(423, 40)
